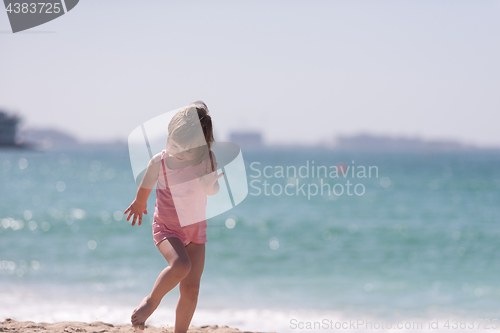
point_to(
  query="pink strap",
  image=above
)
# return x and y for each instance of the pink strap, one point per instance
(164, 171)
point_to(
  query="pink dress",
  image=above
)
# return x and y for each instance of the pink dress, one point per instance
(180, 209)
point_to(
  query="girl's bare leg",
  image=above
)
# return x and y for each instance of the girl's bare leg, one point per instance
(189, 288)
(179, 267)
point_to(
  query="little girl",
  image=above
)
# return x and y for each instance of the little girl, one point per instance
(185, 173)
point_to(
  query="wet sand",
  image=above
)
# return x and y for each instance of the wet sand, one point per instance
(10, 325)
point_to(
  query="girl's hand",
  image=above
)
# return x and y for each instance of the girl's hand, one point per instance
(136, 209)
(208, 179)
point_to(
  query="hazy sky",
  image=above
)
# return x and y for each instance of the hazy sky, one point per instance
(299, 71)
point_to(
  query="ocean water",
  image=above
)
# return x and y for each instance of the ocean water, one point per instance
(418, 239)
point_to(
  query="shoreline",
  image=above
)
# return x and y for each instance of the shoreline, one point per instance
(102, 327)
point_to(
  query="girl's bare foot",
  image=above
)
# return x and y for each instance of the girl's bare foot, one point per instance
(142, 313)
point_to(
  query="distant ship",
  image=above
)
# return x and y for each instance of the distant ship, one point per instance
(8, 130)
(247, 139)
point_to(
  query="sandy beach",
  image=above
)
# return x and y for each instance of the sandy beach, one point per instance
(9, 325)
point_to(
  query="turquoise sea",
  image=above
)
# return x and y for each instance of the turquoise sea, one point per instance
(422, 242)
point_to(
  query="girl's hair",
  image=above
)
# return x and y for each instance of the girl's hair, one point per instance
(184, 128)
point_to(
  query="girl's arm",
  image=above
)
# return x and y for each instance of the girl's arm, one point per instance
(139, 205)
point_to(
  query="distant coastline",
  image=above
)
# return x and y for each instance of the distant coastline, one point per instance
(384, 143)
(46, 138)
